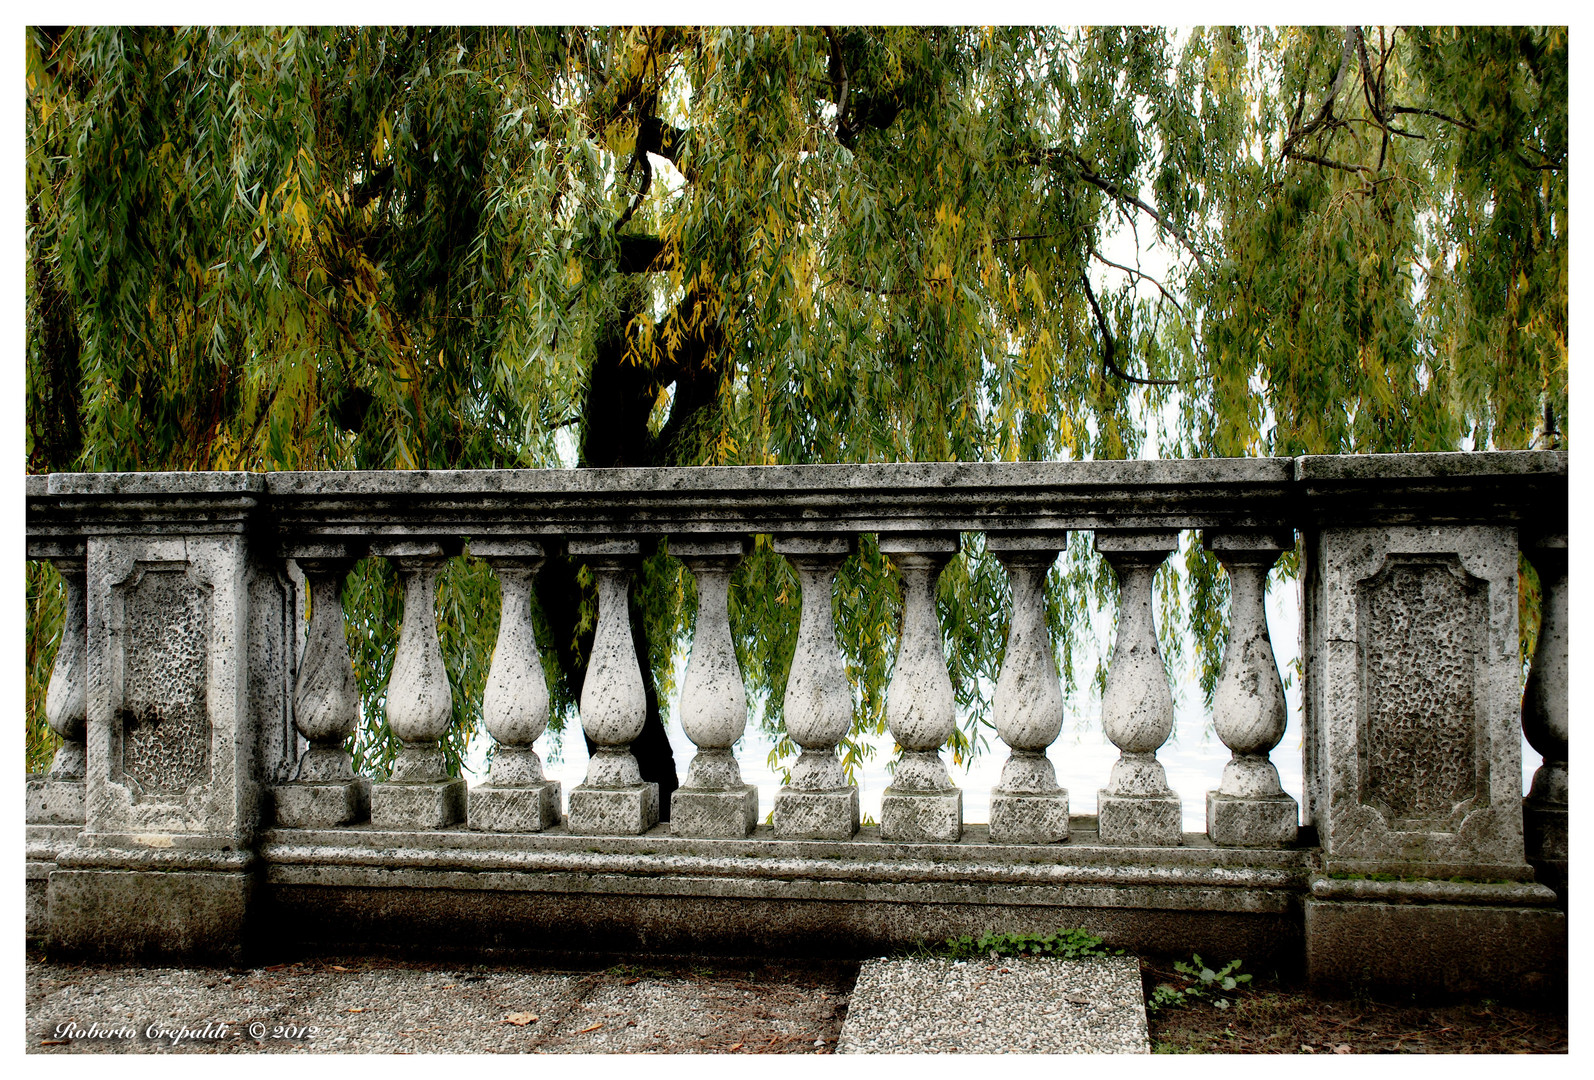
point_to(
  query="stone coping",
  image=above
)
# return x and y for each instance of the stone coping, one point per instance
(1493, 486)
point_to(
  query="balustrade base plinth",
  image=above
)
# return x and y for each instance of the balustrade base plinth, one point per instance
(430, 804)
(142, 915)
(627, 811)
(1029, 819)
(1267, 822)
(816, 815)
(55, 802)
(921, 816)
(710, 814)
(522, 808)
(1139, 820)
(321, 804)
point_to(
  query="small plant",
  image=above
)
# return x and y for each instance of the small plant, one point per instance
(1206, 985)
(1064, 944)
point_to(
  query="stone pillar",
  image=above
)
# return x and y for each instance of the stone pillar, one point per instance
(714, 802)
(922, 804)
(818, 803)
(1137, 806)
(57, 797)
(1412, 700)
(324, 792)
(187, 666)
(612, 800)
(420, 794)
(1027, 806)
(1545, 717)
(1249, 808)
(516, 797)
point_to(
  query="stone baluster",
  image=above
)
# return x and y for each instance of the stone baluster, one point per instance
(1137, 806)
(1027, 805)
(714, 802)
(57, 797)
(324, 792)
(1545, 717)
(921, 804)
(612, 800)
(818, 803)
(1249, 808)
(516, 797)
(420, 794)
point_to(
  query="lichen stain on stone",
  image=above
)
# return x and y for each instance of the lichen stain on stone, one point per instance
(1417, 624)
(166, 721)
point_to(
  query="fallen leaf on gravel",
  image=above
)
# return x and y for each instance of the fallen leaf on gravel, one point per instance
(733, 1049)
(336, 967)
(1342, 1048)
(354, 1009)
(450, 986)
(630, 982)
(594, 1027)
(521, 1019)
(1076, 999)
(56, 1042)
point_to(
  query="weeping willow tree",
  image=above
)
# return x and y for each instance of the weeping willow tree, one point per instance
(455, 248)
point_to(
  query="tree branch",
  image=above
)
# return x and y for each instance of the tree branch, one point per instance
(1067, 160)
(838, 80)
(1325, 112)
(1108, 348)
(1099, 257)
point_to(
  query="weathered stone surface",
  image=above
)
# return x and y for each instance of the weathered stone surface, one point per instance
(54, 802)
(1435, 947)
(173, 728)
(818, 803)
(816, 815)
(1412, 675)
(434, 804)
(625, 811)
(1139, 819)
(1137, 806)
(1024, 1005)
(1248, 700)
(1252, 821)
(1029, 819)
(323, 804)
(916, 816)
(1027, 805)
(147, 915)
(700, 812)
(516, 808)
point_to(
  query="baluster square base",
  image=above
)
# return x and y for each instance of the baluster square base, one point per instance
(1266, 822)
(816, 815)
(724, 814)
(434, 804)
(318, 804)
(1544, 834)
(1140, 820)
(921, 816)
(526, 808)
(60, 802)
(1029, 819)
(628, 811)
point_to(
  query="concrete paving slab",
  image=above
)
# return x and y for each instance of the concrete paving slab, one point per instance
(1033, 1005)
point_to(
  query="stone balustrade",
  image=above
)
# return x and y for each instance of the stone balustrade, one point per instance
(203, 693)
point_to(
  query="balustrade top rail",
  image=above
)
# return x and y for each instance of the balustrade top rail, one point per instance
(1495, 486)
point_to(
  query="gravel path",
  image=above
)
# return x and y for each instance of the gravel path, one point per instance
(370, 1005)
(1032, 1005)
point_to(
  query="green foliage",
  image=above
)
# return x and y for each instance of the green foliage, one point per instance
(1203, 984)
(332, 248)
(1062, 944)
(46, 599)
